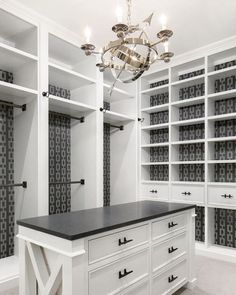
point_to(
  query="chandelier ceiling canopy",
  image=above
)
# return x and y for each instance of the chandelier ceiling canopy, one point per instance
(132, 53)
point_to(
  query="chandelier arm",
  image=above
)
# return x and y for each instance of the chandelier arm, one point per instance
(165, 39)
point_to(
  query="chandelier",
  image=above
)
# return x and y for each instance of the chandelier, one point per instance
(132, 53)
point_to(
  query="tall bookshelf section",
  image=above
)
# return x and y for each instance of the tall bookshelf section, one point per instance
(199, 149)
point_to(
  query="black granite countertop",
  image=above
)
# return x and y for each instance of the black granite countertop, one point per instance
(84, 223)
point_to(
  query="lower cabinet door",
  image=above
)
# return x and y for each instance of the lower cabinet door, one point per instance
(114, 277)
(168, 251)
(174, 277)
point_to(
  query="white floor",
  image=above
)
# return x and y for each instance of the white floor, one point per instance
(214, 277)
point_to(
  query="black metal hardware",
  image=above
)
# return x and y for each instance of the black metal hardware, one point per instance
(118, 127)
(126, 273)
(103, 110)
(17, 106)
(172, 249)
(172, 224)
(140, 120)
(81, 119)
(227, 196)
(23, 184)
(153, 191)
(186, 193)
(81, 181)
(125, 241)
(172, 279)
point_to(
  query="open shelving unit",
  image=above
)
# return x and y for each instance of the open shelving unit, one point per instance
(201, 140)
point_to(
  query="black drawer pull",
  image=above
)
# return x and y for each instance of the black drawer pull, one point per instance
(172, 224)
(172, 249)
(172, 279)
(153, 191)
(124, 242)
(227, 196)
(126, 273)
(186, 193)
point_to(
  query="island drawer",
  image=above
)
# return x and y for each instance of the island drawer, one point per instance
(114, 277)
(137, 289)
(155, 191)
(105, 246)
(168, 225)
(168, 251)
(222, 195)
(167, 281)
(193, 193)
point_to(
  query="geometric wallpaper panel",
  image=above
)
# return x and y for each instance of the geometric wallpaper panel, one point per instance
(159, 172)
(225, 227)
(106, 164)
(225, 106)
(192, 91)
(59, 163)
(159, 99)
(224, 65)
(159, 118)
(192, 74)
(159, 154)
(191, 132)
(159, 135)
(191, 152)
(191, 172)
(225, 150)
(192, 112)
(7, 208)
(225, 172)
(200, 224)
(224, 84)
(225, 128)
(159, 83)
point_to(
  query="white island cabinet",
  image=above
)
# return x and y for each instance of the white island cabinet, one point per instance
(137, 248)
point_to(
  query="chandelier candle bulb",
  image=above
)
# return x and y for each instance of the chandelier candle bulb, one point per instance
(163, 21)
(87, 34)
(166, 46)
(119, 14)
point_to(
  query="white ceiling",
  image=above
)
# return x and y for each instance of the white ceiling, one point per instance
(195, 22)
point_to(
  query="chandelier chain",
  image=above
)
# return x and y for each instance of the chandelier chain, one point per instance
(129, 4)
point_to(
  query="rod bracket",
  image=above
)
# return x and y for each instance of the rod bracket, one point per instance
(82, 181)
(45, 94)
(24, 184)
(140, 120)
(103, 110)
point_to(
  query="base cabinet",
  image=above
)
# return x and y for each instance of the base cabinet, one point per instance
(153, 257)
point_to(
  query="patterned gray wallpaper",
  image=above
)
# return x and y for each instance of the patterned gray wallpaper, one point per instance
(7, 209)
(159, 172)
(192, 152)
(191, 172)
(159, 118)
(191, 132)
(192, 112)
(59, 163)
(159, 154)
(200, 224)
(159, 135)
(159, 99)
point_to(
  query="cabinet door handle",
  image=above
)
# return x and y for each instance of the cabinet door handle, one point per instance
(172, 279)
(125, 273)
(227, 196)
(186, 193)
(224, 196)
(230, 196)
(172, 249)
(125, 241)
(172, 224)
(153, 191)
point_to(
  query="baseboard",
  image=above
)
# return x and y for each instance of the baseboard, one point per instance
(8, 284)
(217, 252)
(191, 284)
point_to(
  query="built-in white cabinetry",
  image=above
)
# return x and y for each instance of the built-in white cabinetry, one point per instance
(187, 139)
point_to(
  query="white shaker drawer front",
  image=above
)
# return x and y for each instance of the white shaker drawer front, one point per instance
(222, 195)
(138, 289)
(168, 225)
(101, 248)
(187, 193)
(114, 277)
(168, 251)
(165, 282)
(155, 191)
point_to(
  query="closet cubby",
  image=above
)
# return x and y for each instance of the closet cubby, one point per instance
(187, 172)
(193, 132)
(155, 82)
(190, 152)
(222, 61)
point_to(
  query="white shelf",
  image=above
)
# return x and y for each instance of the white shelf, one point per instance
(188, 102)
(188, 122)
(117, 93)
(217, 74)
(222, 117)
(156, 90)
(68, 79)
(153, 127)
(158, 108)
(155, 145)
(221, 139)
(188, 141)
(16, 94)
(12, 51)
(68, 107)
(222, 95)
(154, 182)
(189, 80)
(221, 161)
(187, 162)
(116, 118)
(188, 182)
(155, 163)
(221, 183)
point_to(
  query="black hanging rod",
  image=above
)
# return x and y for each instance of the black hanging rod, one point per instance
(17, 106)
(23, 184)
(81, 181)
(118, 127)
(81, 119)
